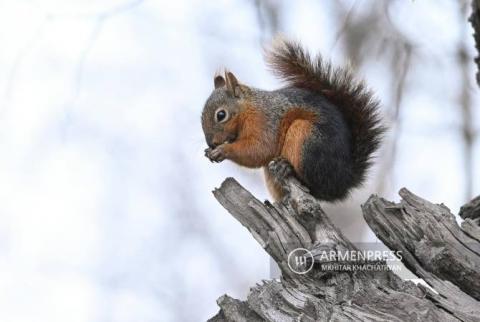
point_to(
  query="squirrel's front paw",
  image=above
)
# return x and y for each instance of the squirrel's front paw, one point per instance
(215, 155)
(280, 168)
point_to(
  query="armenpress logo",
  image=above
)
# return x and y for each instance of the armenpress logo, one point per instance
(300, 261)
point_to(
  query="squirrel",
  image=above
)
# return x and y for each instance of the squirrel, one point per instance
(322, 127)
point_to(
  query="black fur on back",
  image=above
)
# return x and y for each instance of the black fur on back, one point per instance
(355, 101)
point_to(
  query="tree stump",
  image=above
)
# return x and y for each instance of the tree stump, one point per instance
(426, 235)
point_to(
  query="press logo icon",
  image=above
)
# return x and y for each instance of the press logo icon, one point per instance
(300, 260)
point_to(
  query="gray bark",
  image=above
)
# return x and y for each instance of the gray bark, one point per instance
(471, 210)
(434, 247)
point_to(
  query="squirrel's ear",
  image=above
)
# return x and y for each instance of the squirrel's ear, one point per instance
(232, 84)
(219, 81)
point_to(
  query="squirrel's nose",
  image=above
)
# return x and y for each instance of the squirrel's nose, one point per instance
(209, 140)
(211, 144)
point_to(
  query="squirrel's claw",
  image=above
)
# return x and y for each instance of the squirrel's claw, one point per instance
(281, 169)
(207, 153)
(215, 155)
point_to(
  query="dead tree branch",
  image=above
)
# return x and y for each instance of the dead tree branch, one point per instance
(433, 246)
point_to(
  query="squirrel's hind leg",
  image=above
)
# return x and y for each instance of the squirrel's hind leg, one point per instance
(276, 173)
(273, 186)
(295, 137)
(290, 160)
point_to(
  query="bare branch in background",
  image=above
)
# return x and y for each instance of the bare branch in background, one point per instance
(465, 100)
(268, 18)
(21, 54)
(100, 19)
(345, 24)
(475, 21)
(400, 66)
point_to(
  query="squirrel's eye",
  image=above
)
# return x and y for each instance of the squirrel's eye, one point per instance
(221, 115)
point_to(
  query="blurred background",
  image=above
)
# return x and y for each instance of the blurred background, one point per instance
(106, 211)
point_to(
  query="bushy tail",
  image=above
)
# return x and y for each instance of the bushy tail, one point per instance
(356, 102)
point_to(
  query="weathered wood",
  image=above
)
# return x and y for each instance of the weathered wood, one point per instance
(234, 310)
(471, 210)
(298, 221)
(433, 245)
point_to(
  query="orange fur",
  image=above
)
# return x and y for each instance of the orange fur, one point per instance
(233, 125)
(295, 128)
(296, 135)
(287, 120)
(294, 139)
(252, 148)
